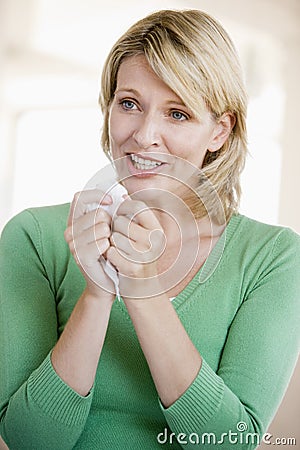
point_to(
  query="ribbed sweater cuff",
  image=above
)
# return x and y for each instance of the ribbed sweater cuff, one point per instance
(56, 398)
(199, 402)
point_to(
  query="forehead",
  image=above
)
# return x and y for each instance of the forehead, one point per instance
(134, 65)
(135, 72)
(134, 62)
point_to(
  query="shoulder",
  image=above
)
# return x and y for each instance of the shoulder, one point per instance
(38, 228)
(32, 220)
(33, 242)
(262, 235)
(269, 255)
(255, 248)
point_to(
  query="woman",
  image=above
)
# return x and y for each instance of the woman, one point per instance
(199, 352)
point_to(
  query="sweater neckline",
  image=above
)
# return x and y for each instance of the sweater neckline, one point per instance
(211, 264)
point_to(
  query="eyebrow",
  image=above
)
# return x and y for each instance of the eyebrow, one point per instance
(135, 92)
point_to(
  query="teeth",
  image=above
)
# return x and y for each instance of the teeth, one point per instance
(143, 164)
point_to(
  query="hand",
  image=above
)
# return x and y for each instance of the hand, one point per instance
(137, 241)
(87, 235)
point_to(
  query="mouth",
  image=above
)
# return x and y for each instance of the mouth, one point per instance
(144, 164)
(140, 166)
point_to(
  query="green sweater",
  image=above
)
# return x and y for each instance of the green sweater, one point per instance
(241, 311)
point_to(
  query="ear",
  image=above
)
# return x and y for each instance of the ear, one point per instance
(223, 128)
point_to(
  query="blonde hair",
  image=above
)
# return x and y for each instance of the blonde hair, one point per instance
(192, 53)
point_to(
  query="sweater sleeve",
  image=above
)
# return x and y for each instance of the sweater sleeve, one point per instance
(37, 409)
(234, 406)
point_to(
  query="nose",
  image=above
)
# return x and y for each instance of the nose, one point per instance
(148, 132)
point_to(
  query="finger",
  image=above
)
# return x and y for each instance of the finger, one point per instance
(129, 228)
(90, 220)
(133, 248)
(90, 261)
(121, 243)
(126, 266)
(141, 251)
(87, 231)
(98, 231)
(140, 213)
(82, 199)
(117, 258)
(86, 256)
(140, 238)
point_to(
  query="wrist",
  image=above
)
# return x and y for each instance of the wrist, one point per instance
(139, 289)
(98, 296)
(145, 302)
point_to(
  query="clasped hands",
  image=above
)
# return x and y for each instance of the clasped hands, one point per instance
(132, 241)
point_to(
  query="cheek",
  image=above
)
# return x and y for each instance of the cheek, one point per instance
(113, 130)
(119, 130)
(191, 147)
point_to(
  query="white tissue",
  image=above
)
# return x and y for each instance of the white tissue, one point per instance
(116, 191)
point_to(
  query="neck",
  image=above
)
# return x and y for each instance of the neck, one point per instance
(184, 227)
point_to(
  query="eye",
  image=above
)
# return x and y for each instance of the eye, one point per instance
(178, 115)
(128, 104)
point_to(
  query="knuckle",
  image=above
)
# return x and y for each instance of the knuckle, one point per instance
(134, 271)
(144, 246)
(72, 246)
(141, 206)
(76, 196)
(119, 222)
(157, 237)
(100, 212)
(114, 237)
(68, 234)
(106, 229)
(137, 206)
(102, 230)
(102, 245)
(110, 253)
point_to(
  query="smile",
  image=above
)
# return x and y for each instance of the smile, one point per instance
(143, 164)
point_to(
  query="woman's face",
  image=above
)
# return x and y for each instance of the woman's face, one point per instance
(153, 131)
